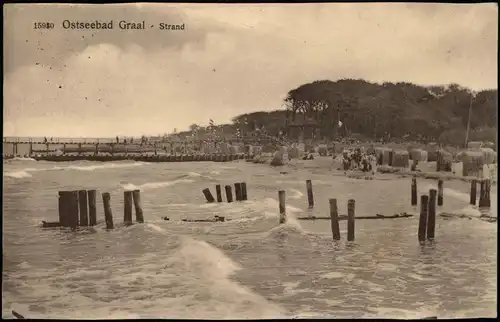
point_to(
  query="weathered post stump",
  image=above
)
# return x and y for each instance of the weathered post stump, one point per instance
(92, 196)
(334, 219)
(237, 191)
(310, 196)
(208, 195)
(108, 214)
(229, 193)
(218, 192)
(73, 206)
(139, 215)
(473, 192)
(64, 208)
(431, 214)
(484, 194)
(244, 191)
(350, 219)
(282, 206)
(440, 193)
(422, 222)
(83, 205)
(414, 196)
(488, 190)
(127, 207)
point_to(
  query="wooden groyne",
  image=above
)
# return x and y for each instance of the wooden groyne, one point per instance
(240, 191)
(429, 203)
(145, 158)
(77, 209)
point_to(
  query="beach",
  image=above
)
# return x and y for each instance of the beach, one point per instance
(248, 267)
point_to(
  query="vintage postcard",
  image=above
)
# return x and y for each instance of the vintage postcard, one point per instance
(250, 161)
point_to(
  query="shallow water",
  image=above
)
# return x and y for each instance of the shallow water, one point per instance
(248, 267)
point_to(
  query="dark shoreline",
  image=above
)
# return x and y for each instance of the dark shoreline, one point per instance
(143, 158)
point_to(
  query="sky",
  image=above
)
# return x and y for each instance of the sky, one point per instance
(229, 60)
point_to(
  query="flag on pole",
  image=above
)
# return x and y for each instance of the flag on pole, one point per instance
(340, 123)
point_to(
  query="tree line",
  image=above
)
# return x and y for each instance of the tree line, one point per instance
(388, 111)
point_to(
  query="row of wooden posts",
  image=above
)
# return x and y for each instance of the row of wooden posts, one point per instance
(334, 214)
(414, 193)
(426, 223)
(484, 193)
(78, 209)
(240, 193)
(428, 203)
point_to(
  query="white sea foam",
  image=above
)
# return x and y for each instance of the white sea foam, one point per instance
(295, 194)
(104, 166)
(17, 174)
(154, 185)
(22, 159)
(191, 282)
(26, 173)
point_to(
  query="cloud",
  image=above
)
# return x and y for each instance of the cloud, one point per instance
(230, 60)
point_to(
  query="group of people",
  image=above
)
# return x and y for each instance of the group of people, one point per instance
(358, 159)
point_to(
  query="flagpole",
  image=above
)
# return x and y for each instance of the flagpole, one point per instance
(468, 122)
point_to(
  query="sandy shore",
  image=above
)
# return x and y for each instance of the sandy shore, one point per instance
(328, 165)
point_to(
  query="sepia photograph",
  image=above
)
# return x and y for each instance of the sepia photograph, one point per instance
(250, 161)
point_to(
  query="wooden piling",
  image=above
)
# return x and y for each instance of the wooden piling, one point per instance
(282, 206)
(440, 193)
(334, 219)
(229, 193)
(431, 214)
(208, 195)
(218, 192)
(92, 196)
(237, 191)
(414, 197)
(73, 209)
(473, 192)
(108, 214)
(83, 205)
(310, 196)
(244, 191)
(139, 215)
(351, 203)
(484, 194)
(488, 189)
(127, 207)
(64, 208)
(422, 222)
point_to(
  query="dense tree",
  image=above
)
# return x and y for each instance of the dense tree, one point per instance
(374, 111)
